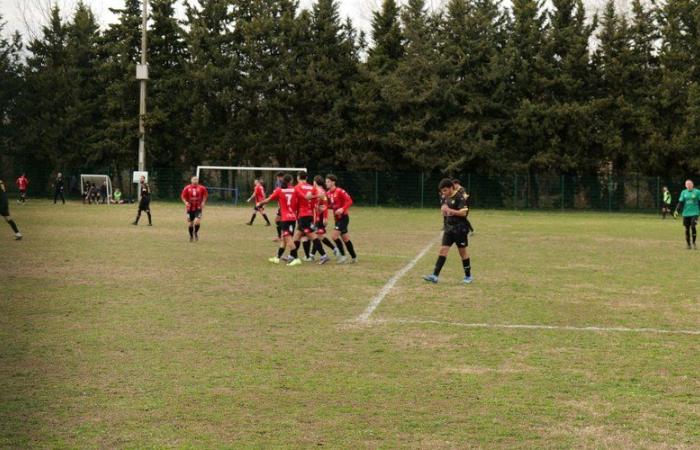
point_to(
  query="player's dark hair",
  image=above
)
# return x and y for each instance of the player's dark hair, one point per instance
(332, 177)
(302, 175)
(318, 179)
(279, 174)
(445, 183)
(456, 181)
(287, 180)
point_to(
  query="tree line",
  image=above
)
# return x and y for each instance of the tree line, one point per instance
(473, 87)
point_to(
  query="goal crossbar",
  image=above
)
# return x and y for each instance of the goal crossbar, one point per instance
(261, 169)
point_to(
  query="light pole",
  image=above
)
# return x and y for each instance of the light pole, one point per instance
(142, 76)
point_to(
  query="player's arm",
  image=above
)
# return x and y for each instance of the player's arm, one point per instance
(456, 212)
(251, 197)
(347, 203)
(679, 206)
(274, 196)
(185, 198)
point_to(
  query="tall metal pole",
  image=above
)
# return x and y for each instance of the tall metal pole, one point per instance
(142, 106)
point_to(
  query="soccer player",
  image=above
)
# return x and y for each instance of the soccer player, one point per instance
(58, 189)
(145, 202)
(5, 211)
(286, 197)
(22, 184)
(454, 209)
(194, 196)
(340, 202)
(279, 181)
(689, 203)
(460, 191)
(666, 206)
(321, 214)
(259, 195)
(306, 199)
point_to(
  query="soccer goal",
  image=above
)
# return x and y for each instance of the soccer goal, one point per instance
(88, 180)
(233, 184)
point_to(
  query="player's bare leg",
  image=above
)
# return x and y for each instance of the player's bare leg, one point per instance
(13, 225)
(340, 256)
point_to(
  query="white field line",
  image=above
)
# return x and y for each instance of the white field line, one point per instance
(377, 299)
(534, 327)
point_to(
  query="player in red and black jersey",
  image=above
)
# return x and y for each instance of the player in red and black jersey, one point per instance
(287, 200)
(22, 184)
(321, 214)
(195, 198)
(279, 181)
(259, 195)
(340, 202)
(307, 195)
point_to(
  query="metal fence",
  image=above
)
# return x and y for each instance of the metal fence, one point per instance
(411, 189)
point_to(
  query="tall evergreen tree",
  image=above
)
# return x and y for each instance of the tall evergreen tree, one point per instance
(121, 45)
(45, 137)
(472, 41)
(167, 107)
(375, 120)
(11, 90)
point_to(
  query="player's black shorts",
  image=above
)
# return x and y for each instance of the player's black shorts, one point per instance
(320, 227)
(287, 227)
(306, 224)
(690, 221)
(5, 212)
(342, 224)
(144, 206)
(456, 236)
(196, 214)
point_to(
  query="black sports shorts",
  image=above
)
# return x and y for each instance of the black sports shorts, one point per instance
(690, 221)
(306, 224)
(196, 214)
(457, 236)
(287, 227)
(342, 224)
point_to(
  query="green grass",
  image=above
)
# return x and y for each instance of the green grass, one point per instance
(121, 336)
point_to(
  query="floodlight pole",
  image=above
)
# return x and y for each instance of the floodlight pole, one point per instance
(144, 79)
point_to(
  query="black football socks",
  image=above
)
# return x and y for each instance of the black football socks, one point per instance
(351, 249)
(438, 265)
(466, 264)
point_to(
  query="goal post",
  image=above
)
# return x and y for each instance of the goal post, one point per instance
(233, 184)
(98, 181)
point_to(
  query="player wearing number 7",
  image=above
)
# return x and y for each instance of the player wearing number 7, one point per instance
(287, 199)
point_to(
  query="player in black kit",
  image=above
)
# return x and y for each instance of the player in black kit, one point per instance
(454, 209)
(145, 202)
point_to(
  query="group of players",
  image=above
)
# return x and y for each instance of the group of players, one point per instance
(302, 218)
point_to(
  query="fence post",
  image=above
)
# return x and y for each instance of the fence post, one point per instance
(422, 189)
(610, 186)
(376, 188)
(637, 192)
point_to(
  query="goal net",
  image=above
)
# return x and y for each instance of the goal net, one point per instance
(234, 184)
(93, 188)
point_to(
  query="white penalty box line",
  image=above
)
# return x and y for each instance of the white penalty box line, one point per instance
(365, 317)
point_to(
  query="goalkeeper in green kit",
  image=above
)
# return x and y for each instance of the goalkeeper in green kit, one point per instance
(689, 203)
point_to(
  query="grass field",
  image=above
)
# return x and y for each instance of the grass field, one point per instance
(120, 336)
